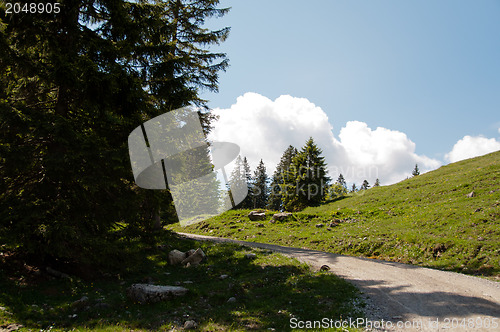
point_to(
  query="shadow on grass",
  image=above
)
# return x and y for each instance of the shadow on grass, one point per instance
(268, 291)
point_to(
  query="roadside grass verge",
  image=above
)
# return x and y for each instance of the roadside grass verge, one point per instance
(269, 289)
(427, 220)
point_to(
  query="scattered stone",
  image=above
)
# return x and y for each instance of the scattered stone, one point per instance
(324, 268)
(471, 194)
(223, 276)
(175, 257)
(333, 224)
(282, 216)
(250, 256)
(195, 258)
(102, 305)
(11, 327)
(190, 325)
(56, 273)
(478, 210)
(480, 238)
(144, 293)
(319, 225)
(81, 302)
(439, 249)
(231, 300)
(256, 215)
(328, 229)
(260, 225)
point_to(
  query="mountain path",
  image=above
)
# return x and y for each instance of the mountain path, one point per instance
(402, 297)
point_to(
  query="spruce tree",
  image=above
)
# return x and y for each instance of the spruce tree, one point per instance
(248, 202)
(336, 191)
(353, 188)
(416, 171)
(275, 196)
(341, 181)
(306, 182)
(238, 177)
(260, 187)
(365, 185)
(73, 86)
(377, 183)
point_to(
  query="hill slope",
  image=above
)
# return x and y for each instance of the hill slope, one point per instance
(427, 220)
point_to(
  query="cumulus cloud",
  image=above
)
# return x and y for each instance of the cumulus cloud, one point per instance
(472, 146)
(381, 153)
(264, 129)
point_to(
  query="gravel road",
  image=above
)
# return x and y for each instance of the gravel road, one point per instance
(403, 297)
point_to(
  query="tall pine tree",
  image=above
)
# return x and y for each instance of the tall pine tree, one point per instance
(73, 86)
(248, 202)
(306, 183)
(260, 187)
(278, 180)
(341, 181)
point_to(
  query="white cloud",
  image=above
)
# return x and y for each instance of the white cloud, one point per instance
(472, 146)
(264, 129)
(383, 153)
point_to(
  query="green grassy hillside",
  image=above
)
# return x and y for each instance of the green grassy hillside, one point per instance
(428, 220)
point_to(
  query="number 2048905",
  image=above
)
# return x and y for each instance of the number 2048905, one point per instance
(32, 8)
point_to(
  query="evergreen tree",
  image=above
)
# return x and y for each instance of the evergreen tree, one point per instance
(377, 183)
(238, 177)
(260, 187)
(306, 182)
(275, 196)
(353, 188)
(416, 171)
(248, 202)
(365, 185)
(336, 191)
(341, 181)
(73, 86)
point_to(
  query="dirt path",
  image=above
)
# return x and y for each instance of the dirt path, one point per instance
(415, 298)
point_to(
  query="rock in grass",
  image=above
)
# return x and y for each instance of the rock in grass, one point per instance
(282, 216)
(81, 302)
(195, 258)
(56, 273)
(145, 293)
(256, 215)
(471, 194)
(175, 257)
(250, 256)
(11, 327)
(319, 225)
(231, 300)
(190, 325)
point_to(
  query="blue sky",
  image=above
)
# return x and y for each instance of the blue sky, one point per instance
(428, 69)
